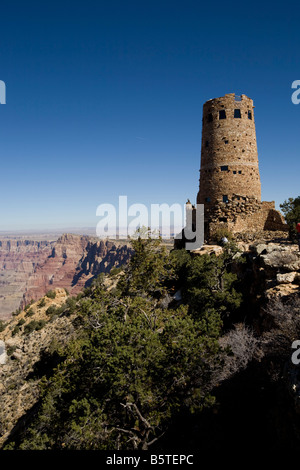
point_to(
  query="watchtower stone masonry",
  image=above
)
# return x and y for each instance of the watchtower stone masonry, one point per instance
(229, 161)
(230, 187)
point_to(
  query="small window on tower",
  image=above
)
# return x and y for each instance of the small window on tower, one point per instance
(240, 172)
(225, 198)
(234, 172)
(226, 141)
(222, 114)
(209, 117)
(207, 199)
(237, 113)
(224, 168)
(249, 115)
(206, 143)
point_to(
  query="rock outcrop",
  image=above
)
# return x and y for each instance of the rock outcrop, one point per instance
(75, 260)
(24, 349)
(208, 250)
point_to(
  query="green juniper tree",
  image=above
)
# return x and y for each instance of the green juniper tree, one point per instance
(291, 211)
(133, 365)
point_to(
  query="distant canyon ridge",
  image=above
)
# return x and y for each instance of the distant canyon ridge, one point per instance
(29, 268)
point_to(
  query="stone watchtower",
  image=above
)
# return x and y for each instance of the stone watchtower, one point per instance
(230, 186)
(229, 161)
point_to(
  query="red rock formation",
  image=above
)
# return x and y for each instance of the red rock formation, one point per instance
(28, 269)
(18, 260)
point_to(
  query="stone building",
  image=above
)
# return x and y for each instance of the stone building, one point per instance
(230, 187)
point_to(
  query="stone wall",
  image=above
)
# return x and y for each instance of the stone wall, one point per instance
(244, 214)
(229, 161)
(230, 187)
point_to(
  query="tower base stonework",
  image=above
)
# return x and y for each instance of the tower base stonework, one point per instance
(244, 215)
(241, 217)
(229, 184)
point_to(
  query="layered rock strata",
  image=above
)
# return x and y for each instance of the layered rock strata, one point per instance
(28, 269)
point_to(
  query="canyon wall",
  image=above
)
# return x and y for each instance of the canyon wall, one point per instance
(28, 268)
(18, 260)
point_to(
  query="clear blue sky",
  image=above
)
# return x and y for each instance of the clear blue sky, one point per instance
(105, 99)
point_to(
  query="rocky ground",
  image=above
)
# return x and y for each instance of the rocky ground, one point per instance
(22, 352)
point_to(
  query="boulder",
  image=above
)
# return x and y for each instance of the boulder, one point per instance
(286, 278)
(17, 355)
(208, 250)
(283, 259)
(3, 355)
(260, 248)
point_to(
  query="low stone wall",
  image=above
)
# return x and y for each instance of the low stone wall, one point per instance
(244, 214)
(277, 236)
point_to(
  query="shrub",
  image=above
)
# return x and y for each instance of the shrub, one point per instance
(40, 324)
(137, 366)
(70, 305)
(115, 271)
(238, 347)
(51, 294)
(53, 317)
(28, 305)
(2, 326)
(34, 325)
(17, 312)
(10, 350)
(42, 302)
(52, 310)
(30, 313)
(15, 330)
(29, 327)
(134, 368)
(221, 232)
(291, 211)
